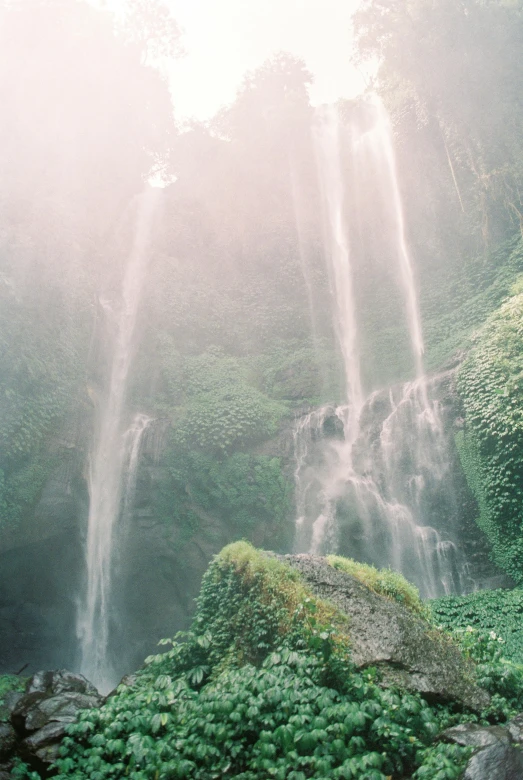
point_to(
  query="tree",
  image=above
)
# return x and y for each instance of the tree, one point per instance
(150, 25)
(458, 64)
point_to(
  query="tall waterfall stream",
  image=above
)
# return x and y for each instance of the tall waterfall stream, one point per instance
(113, 462)
(365, 485)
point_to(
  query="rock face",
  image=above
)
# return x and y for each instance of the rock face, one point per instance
(40, 716)
(158, 576)
(42, 560)
(386, 635)
(498, 749)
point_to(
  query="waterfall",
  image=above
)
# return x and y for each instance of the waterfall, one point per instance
(132, 439)
(113, 461)
(369, 472)
(327, 145)
(378, 141)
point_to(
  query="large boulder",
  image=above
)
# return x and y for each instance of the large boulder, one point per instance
(407, 650)
(40, 716)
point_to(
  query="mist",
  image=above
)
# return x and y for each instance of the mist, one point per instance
(276, 304)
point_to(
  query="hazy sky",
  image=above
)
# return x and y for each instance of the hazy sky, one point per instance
(225, 38)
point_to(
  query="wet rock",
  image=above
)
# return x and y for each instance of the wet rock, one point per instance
(515, 728)
(53, 696)
(61, 708)
(43, 746)
(408, 652)
(472, 735)
(40, 716)
(498, 755)
(7, 704)
(7, 741)
(52, 683)
(11, 699)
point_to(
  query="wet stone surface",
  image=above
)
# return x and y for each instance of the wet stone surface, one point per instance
(40, 716)
(498, 755)
(407, 651)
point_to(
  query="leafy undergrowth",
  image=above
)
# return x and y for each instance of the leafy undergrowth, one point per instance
(9, 682)
(280, 720)
(384, 582)
(498, 611)
(264, 687)
(490, 445)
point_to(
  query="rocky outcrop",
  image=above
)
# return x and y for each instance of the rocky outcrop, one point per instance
(384, 634)
(40, 716)
(498, 753)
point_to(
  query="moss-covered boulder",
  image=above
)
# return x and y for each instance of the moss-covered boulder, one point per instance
(387, 634)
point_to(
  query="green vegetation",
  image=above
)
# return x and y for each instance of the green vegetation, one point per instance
(385, 582)
(491, 444)
(215, 401)
(278, 720)
(490, 611)
(246, 493)
(63, 197)
(458, 303)
(263, 686)
(9, 682)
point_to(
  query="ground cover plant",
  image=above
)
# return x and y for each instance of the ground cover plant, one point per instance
(263, 686)
(498, 612)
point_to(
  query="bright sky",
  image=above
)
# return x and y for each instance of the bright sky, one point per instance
(225, 38)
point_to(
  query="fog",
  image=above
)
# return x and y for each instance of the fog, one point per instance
(264, 346)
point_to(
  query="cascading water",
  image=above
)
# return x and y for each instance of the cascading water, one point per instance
(377, 144)
(113, 461)
(327, 144)
(368, 471)
(132, 444)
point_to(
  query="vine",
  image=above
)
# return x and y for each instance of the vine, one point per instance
(490, 384)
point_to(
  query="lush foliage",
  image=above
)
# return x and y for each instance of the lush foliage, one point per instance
(385, 582)
(216, 402)
(497, 611)
(460, 301)
(490, 384)
(22, 771)
(279, 720)
(501, 678)
(248, 493)
(9, 682)
(262, 686)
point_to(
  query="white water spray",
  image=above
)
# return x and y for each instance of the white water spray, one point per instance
(114, 451)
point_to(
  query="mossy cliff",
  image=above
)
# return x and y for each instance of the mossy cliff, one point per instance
(490, 444)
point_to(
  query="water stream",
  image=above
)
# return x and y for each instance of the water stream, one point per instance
(113, 459)
(369, 472)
